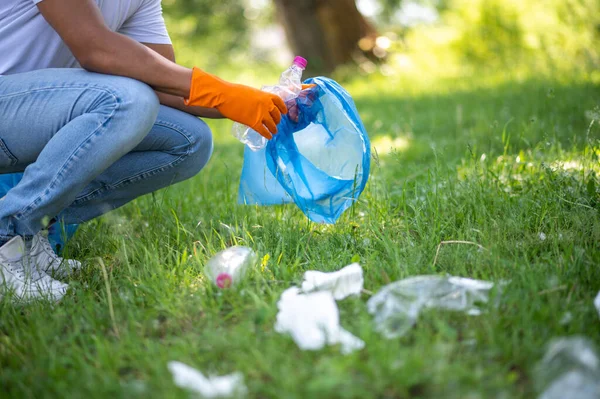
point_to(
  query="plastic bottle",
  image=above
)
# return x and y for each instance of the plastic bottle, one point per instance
(228, 267)
(396, 306)
(290, 84)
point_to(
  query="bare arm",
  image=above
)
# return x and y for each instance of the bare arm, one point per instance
(81, 26)
(166, 50)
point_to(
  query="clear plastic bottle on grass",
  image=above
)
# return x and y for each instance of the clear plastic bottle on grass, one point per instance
(227, 268)
(290, 84)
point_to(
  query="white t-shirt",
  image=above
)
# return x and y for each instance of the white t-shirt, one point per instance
(28, 42)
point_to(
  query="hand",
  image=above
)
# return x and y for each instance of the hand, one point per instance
(257, 109)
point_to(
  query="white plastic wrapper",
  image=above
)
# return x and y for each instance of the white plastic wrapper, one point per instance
(343, 283)
(227, 386)
(313, 321)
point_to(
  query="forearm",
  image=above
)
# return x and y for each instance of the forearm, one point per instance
(81, 26)
(177, 103)
(140, 63)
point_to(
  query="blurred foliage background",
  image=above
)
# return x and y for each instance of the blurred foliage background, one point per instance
(342, 37)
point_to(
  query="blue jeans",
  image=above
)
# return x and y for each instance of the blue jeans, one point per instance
(88, 143)
(58, 233)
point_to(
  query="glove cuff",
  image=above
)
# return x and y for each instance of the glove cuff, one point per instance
(205, 89)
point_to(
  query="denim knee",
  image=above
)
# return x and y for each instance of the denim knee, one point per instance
(138, 106)
(199, 149)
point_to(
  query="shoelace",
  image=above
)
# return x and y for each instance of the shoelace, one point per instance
(33, 270)
(22, 271)
(16, 269)
(48, 248)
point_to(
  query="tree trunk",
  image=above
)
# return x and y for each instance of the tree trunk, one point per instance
(326, 32)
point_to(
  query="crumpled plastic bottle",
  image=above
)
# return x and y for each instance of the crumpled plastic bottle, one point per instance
(228, 267)
(396, 306)
(290, 84)
(570, 369)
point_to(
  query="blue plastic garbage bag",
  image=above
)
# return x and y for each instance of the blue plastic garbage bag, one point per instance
(58, 233)
(320, 158)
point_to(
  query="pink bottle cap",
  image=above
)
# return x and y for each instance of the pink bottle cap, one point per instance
(301, 62)
(224, 280)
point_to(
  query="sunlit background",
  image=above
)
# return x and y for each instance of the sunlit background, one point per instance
(403, 51)
(388, 37)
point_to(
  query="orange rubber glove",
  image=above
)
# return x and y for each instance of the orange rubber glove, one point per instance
(257, 109)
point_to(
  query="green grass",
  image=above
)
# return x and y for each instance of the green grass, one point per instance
(539, 175)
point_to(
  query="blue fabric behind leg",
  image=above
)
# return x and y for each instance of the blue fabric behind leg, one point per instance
(8, 181)
(56, 235)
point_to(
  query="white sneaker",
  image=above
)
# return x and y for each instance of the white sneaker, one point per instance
(46, 259)
(19, 275)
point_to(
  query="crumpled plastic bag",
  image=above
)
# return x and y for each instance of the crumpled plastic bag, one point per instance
(342, 283)
(227, 386)
(396, 306)
(313, 321)
(320, 158)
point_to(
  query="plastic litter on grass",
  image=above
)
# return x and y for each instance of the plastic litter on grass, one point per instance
(570, 369)
(227, 386)
(228, 267)
(342, 283)
(313, 321)
(396, 306)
